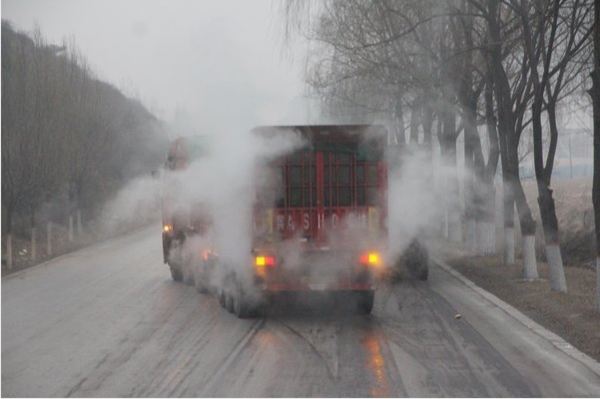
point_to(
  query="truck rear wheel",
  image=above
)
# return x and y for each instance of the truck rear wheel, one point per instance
(202, 274)
(187, 274)
(200, 287)
(176, 274)
(243, 307)
(229, 301)
(417, 260)
(364, 301)
(221, 297)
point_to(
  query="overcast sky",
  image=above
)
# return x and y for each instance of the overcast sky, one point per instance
(219, 61)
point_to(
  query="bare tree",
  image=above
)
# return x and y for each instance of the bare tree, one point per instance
(64, 131)
(553, 34)
(512, 99)
(595, 94)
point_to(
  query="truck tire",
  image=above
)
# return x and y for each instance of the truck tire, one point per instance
(243, 308)
(364, 301)
(202, 274)
(417, 260)
(176, 274)
(166, 247)
(200, 287)
(188, 276)
(229, 302)
(221, 297)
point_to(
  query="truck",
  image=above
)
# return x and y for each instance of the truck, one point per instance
(183, 220)
(319, 220)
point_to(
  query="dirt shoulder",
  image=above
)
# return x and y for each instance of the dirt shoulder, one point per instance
(570, 315)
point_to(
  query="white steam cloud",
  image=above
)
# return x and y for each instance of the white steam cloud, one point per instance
(224, 181)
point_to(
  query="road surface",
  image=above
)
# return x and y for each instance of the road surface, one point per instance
(109, 321)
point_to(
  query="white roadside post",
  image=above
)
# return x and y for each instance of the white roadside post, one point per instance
(70, 228)
(33, 243)
(598, 284)
(9, 258)
(49, 239)
(79, 229)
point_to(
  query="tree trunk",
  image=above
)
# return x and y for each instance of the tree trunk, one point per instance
(448, 147)
(546, 202)
(400, 130)
(472, 173)
(508, 206)
(486, 220)
(427, 122)
(595, 93)
(414, 122)
(79, 228)
(528, 227)
(509, 227)
(70, 228)
(509, 143)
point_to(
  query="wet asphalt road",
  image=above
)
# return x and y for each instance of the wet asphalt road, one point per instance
(109, 321)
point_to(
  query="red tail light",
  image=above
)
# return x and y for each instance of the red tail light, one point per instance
(262, 263)
(265, 261)
(371, 258)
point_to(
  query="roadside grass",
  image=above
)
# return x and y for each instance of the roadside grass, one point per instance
(571, 315)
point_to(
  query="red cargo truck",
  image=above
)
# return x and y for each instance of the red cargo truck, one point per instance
(319, 220)
(319, 216)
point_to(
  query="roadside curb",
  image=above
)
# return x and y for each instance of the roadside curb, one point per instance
(556, 341)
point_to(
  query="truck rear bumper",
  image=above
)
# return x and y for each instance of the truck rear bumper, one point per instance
(358, 281)
(281, 287)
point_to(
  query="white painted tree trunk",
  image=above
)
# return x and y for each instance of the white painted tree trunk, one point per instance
(445, 226)
(486, 238)
(49, 239)
(33, 243)
(455, 228)
(529, 262)
(555, 267)
(79, 229)
(70, 228)
(9, 257)
(509, 245)
(471, 241)
(598, 284)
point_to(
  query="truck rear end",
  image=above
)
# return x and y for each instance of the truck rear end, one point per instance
(183, 220)
(320, 212)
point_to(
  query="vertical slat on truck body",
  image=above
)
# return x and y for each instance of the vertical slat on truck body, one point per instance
(344, 182)
(320, 199)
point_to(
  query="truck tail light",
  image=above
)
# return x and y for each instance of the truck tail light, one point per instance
(371, 258)
(262, 263)
(265, 261)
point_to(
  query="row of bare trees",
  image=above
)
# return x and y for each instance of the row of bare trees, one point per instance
(68, 139)
(495, 71)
